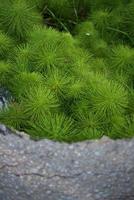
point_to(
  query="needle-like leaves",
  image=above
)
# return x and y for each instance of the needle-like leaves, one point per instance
(69, 66)
(122, 60)
(107, 97)
(24, 81)
(17, 18)
(13, 116)
(6, 44)
(52, 126)
(57, 81)
(4, 73)
(38, 101)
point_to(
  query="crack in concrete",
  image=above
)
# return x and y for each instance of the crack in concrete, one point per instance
(50, 177)
(8, 165)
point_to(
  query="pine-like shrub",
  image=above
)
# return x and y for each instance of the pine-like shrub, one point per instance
(107, 97)
(101, 20)
(122, 61)
(13, 116)
(52, 126)
(6, 44)
(69, 67)
(38, 102)
(57, 81)
(86, 34)
(24, 81)
(37, 3)
(106, 4)
(4, 72)
(21, 58)
(127, 19)
(17, 18)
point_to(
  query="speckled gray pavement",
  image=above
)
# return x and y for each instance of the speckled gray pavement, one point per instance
(46, 170)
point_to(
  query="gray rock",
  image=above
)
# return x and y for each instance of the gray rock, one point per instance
(4, 130)
(5, 98)
(47, 170)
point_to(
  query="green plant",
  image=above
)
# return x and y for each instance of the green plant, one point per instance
(86, 34)
(57, 81)
(122, 59)
(89, 125)
(40, 35)
(48, 57)
(4, 73)
(127, 19)
(69, 66)
(106, 4)
(99, 65)
(51, 49)
(101, 20)
(37, 3)
(89, 134)
(131, 101)
(38, 101)
(107, 97)
(13, 116)
(130, 128)
(17, 18)
(52, 126)
(24, 81)
(100, 48)
(21, 58)
(75, 89)
(6, 44)
(62, 8)
(122, 127)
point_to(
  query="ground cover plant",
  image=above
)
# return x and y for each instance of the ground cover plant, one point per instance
(69, 66)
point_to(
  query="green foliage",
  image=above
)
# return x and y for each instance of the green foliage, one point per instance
(53, 126)
(64, 14)
(37, 3)
(131, 102)
(17, 18)
(75, 89)
(122, 60)
(130, 128)
(39, 36)
(106, 4)
(38, 102)
(122, 127)
(57, 81)
(5, 45)
(107, 97)
(100, 48)
(48, 57)
(21, 58)
(86, 33)
(127, 19)
(101, 20)
(69, 66)
(51, 49)
(4, 73)
(24, 81)
(99, 65)
(13, 116)
(62, 8)
(89, 125)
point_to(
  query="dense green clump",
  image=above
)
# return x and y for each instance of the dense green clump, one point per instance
(6, 44)
(69, 66)
(17, 18)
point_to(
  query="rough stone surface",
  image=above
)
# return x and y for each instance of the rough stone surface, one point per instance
(46, 170)
(5, 98)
